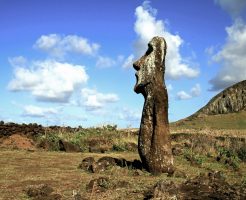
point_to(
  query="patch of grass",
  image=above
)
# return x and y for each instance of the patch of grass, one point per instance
(223, 121)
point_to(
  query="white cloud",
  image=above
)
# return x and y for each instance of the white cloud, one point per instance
(182, 95)
(130, 115)
(128, 62)
(194, 92)
(58, 45)
(146, 27)
(18, 61)
(94, 100)
(49, 80)
(35, 111)
(233, 7)
(231, 57)
(105, 62)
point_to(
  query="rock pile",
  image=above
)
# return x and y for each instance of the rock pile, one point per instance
(106, 162)
(205, 186)
(7, 129)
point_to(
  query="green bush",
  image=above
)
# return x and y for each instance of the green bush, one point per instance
(119, 147)
(192, 157)
(241, 152)
(229, 157)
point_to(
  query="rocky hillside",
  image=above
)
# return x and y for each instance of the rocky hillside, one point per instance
(230, 100)
(227, 110)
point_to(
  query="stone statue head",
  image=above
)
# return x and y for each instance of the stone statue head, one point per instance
(151, 66)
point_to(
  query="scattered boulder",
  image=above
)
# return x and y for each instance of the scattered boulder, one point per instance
(205, 186)
(99, 146)
(68, 146)
(42, 192)
(103, 164)
(98, 185)
(87, 164)
(106, 162)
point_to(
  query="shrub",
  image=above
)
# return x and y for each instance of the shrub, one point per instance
(119, 147)
(193, 158)
(241, 152)
(228, 157)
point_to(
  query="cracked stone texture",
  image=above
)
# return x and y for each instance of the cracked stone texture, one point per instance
(153, 142)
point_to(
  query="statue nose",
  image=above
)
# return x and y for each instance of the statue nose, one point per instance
(136, 66)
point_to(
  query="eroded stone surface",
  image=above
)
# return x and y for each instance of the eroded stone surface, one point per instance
(153, 144)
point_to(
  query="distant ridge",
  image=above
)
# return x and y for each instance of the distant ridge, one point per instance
(230, 100)
(226, 110)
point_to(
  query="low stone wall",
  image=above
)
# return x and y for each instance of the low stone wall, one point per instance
(7, 129)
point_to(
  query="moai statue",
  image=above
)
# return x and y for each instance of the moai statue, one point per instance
(153, 142)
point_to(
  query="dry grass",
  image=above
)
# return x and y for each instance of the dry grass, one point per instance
(59, 170)
(21, 168)
(231, 121)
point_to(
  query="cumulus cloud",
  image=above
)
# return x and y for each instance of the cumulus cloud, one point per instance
(231, 57)
(93, 100)
(35, 111)
(59, 45)
(233, 7)
(194, 92)
(48, 80)
(146, 27)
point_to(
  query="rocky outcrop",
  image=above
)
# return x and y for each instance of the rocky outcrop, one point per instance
(8, 129)
(230, 100)
(153, 144)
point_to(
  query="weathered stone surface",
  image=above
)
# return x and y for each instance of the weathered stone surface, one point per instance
(230, 100)
(153, 144)
(87, 164)
(106, 162)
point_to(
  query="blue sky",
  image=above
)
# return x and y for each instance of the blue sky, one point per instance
(69, 62)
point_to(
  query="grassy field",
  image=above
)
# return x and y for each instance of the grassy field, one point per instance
(235, 121)
(194, 154)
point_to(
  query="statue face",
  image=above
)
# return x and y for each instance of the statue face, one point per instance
(150, 66)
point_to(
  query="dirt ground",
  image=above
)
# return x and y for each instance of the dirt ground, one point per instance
(17, 141)
(59, 170)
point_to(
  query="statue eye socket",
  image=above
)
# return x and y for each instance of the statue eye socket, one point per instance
(150, 49)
